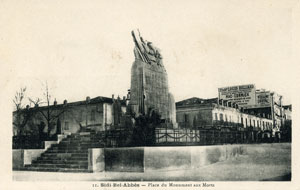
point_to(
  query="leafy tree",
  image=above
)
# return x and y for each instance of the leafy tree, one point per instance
(144, 130)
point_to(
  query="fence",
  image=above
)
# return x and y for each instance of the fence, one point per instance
(182, 137)
(199, 137)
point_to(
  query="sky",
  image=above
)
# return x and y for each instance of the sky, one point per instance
(85, 48)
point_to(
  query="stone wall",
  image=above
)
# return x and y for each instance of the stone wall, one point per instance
(141, 159)
(151, 82)
(18, 158)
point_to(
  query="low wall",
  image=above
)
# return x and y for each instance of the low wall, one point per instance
(18, 158)
(167, 158)
(124, 159)
(96, 160)
(140, 159)
(31, 154)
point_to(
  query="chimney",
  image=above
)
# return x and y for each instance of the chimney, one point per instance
(128, 95)
(88, 99)
(113, 97)
(55, 102)
(65, 102)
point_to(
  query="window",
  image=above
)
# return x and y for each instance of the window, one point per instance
(186, 118)
(221, 117)
(80, 115)
(226, 118)
(66, 125)
(93, 115)
(216, 116)
(257, 123)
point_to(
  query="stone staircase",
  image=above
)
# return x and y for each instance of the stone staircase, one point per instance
(70, 155)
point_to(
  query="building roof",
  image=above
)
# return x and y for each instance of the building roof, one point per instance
(96, 100)
(195, 100)
(288, 107)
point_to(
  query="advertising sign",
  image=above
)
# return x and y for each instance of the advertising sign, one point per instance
(263, 98)
(243, 95)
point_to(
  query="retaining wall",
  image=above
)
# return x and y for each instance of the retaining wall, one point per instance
(140, 159)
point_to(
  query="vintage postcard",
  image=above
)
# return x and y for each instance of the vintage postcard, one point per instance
(149, 94)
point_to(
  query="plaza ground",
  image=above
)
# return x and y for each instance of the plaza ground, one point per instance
(261, 163)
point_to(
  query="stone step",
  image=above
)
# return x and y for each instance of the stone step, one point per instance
(70, 155)
(68, 151)
(80, 162)
(78, 148)
(84, 137)
(82, 145)
(73, 158)
(79, 142)
(74, 170)
(64, 155)
(42, 165)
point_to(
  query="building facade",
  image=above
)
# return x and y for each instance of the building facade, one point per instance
(196, 112)
(100, 113)
(259, 102)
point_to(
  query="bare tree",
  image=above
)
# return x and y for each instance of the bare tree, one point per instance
(49, 115)
(19, 97)
(20, 116)
(36, 102)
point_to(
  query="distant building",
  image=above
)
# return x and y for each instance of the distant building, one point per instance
(99, 113)
(196, 112)
(287, 112)
(268, 103)
(242, 106)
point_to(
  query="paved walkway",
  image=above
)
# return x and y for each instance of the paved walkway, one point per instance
(232, 170)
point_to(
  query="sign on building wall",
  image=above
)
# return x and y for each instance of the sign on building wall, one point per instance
(263, 98)
(243, 95)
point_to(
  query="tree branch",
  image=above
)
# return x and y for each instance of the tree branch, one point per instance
(43, 115)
